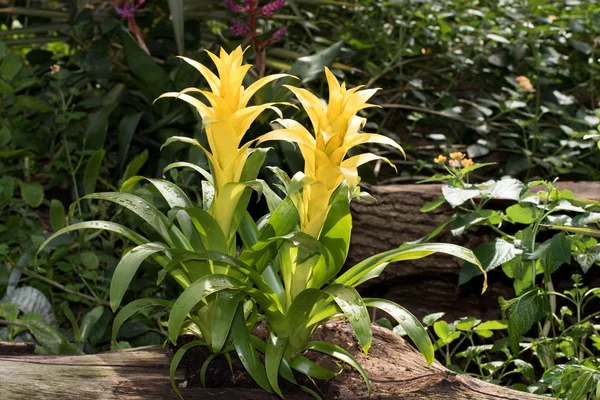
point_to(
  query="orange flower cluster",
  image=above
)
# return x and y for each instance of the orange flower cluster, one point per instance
(456, 160)
(525, 83)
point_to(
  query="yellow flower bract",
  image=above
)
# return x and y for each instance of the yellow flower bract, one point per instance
(336, 130)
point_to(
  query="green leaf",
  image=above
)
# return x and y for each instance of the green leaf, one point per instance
(497, 38)
(409, 323)
(335, 235)
(432, 205)
(523, 312)
(32, 193)
(526, 369)
(95, 134)
(126, 269)
(341, 354)
(246, 352)
(11, 65)
(135, 165)
(177, 357)
(457, 196)
(57, 215)
(312, 369)
(92, 171)
(573, 229)
(582, 386)
(523, 213)
(133, 308)
(490, 255)
(153, 78)
(183, 164)
(191, 296)
(225, 307)
(5, 136)
(273, 356)
(88, 322)
(363, 271)
(51, 340)
(353, 307)
(127, 128)
(310, 67)
(491, 326)
(505, 188)
(443, 331)
(430, 319)
(176, 9)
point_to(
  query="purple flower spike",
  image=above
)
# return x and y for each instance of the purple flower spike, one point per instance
(232, 6)
(270, 8)
(276, 36)
(239, 28)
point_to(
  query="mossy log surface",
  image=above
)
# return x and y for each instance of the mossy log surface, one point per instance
(431, 284)
(395, 368)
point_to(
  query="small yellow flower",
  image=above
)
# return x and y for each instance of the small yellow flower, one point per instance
(440, 159)
(552, 17)
(467, 162)
(454, 163)
(55, 69)
(457, 155)
(425, 51)
(525, 83)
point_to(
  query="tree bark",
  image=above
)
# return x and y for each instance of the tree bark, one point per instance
(396, 370)
(430, 284)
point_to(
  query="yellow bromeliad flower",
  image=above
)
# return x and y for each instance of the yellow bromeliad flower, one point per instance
(336, 130)
(226, 120)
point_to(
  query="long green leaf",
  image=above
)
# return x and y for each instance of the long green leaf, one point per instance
(409, 323)
(183, 164)
(353, 307)
(273, 355)
(133, 308)
(574, 229)
(176, 9)
(361, 271)
(245, 351)
(312, 369)
(225, 307)
(177, 359)
(92, 171)
(192, 296)
(341, 354)
(126, 269)
(105, 225)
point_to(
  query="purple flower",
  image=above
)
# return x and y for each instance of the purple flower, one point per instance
(276, 36)
(239, 28)
(232, 6)
(270, 8)
(125, 9)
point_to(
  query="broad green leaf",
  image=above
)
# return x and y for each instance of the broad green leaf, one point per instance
(152, 77)
(341, 354)
(172, 193)
(176, 7)
(409, 323)
(432, 205)
(523, 312)
(32, 193)
(273, 355)
(133, 308)
(126, 269)
(445, 333)
(353, 307)
(97, 128)
(490, 255)
(505, 188)
(526, 369)
(51, 340)
(461, 223)
(210, 232)
(191, 296)
(10, 66)
(497, 38)
(32, 103)
(523, 213)
(580, 388)
(491, 326)
(57, 215)
(246, 353)
(310, 67)
(92, 171)
(5, 136)
(457, 196)
(430, 319)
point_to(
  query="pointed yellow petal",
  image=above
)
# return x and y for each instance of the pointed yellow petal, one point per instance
(313, 106)
(205, 112)
(357, 161)
(246, 116)
(256, 86)
(294, 132)
(363, 138)
(210, 77)
(216, 102)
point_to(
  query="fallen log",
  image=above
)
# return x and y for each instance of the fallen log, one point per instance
(395, 368)
(430, 284)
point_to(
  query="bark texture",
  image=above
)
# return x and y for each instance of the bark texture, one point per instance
(395, 368)
(430, 284)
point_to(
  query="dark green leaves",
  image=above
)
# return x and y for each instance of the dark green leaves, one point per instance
(32, 193)
(523, 312)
